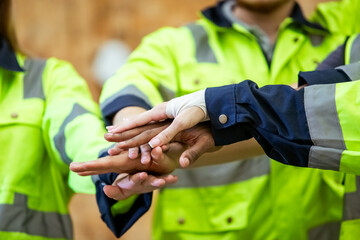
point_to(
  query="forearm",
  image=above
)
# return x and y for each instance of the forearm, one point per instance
(126, 114)
(233, 152)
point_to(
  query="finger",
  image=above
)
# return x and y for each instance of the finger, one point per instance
(145, 154)
(115, 150)
(170, 179)
(147, 133)
(118, 137)
(156, 182)
(157, 153)
(186, 119)
(118, 163)
(189, 156)
(132, 180)
(109, 127)
(156, 114)
(165, 147)
(99, 164)
(133, 153)
(114, 192)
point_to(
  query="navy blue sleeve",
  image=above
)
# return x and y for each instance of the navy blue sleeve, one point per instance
(273, 115)
(110, 109)
(118, 224)
(335, 59)
(323, 77)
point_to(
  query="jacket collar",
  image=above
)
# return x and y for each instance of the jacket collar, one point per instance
(8, 59)
(216, 15)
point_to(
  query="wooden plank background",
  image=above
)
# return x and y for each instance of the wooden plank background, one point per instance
(73, 30)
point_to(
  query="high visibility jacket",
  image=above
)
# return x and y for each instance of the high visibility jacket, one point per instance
(314, 127)
(46, 111)
(251, 199)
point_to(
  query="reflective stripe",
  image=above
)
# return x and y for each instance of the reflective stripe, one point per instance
(325, 158)
(128, 90)
(355, 50)
(352, 70)
(17, 217)
(352, 203)
(327, 231)
(60, 139)
(203, 50)
(324, 126)
(166, 93)
(33, 84)
(223, 174)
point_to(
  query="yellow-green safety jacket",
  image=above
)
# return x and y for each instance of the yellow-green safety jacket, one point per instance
(251, 199)
(47, 120)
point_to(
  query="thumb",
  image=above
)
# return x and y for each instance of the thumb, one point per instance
(190, 155)
(186, 119)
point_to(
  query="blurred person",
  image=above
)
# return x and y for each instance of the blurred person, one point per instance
(46, 113)
(256, 198)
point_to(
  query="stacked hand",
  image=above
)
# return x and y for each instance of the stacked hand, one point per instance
(150, 128)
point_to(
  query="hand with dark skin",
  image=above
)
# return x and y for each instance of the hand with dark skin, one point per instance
(121, 163)
(194, 142)
(198, 139)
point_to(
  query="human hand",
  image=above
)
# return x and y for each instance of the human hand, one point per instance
(125, 115)
(121, 163)
(127, 185)
(187, 111)
(197, 139)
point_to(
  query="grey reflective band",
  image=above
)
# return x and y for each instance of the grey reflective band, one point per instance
(326, 231)
(128, 90)
(352, 70)
(325, 158)
(33, 79)
(223, 174)
(352, 203)
(60, 139)
(204, 53)
(166, 93)
(355, 50)
(17, 217)
(324, 126)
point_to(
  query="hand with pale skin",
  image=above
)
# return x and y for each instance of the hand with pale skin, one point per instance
(125, 115)
(187, 111)
(127, 185)
(198, 140)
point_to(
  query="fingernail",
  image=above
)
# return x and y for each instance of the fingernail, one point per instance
(185, 162)
(154, 142)
(157, 183)
(109, 128)
(145, 160)
(73, 165)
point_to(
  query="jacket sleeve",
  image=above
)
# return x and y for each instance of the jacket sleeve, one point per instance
(119, 216)
(147, 79)
(273, 115)
(296, 127)
(72, 125)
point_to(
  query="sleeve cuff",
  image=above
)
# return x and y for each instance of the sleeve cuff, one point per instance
(323, 77)
(119, 103)
(120, 223)
(220, 104)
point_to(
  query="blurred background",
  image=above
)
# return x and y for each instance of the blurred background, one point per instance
(87, 33)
